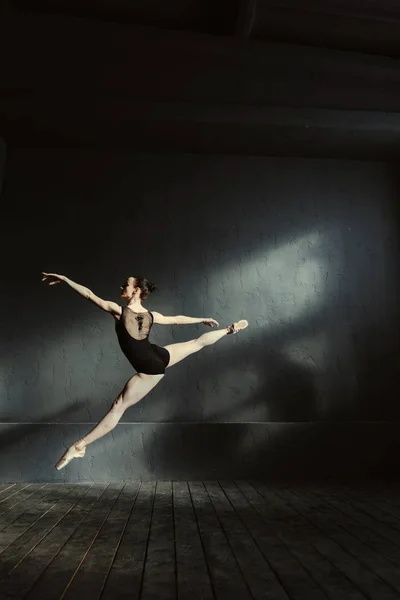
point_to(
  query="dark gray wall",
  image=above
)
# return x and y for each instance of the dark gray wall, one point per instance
(306, 250)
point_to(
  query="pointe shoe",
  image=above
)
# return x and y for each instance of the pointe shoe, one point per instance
(238, 326)
(72, 452)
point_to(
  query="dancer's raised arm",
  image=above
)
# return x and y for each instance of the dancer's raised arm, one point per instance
(182, 320)
(107, 305)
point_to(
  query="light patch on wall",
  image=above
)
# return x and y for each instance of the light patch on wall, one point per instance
(280, 285)
(295, 277)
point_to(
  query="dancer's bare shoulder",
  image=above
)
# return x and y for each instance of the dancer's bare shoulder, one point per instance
(107, 305)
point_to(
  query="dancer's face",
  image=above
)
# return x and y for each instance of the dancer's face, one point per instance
(128, 289)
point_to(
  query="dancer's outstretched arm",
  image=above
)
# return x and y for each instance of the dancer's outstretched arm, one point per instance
(107, 305)
(182, 320)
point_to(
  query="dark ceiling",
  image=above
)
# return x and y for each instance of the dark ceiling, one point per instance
(370, 26)
(281, 77)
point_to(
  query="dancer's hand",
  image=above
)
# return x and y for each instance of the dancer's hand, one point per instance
(211, 322)
(54, 278)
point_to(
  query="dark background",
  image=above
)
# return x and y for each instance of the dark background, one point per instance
(244, 158)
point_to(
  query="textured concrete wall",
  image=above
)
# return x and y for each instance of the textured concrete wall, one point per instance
(306, 250)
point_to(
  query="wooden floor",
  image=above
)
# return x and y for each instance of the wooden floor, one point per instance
(191, 540)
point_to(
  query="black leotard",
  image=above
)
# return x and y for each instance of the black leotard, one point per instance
(133, 335)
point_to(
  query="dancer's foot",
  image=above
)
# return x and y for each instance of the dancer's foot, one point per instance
(238, 326)
(77, 450)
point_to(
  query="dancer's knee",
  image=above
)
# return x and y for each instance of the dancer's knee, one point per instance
(129, 396)
(200, 342)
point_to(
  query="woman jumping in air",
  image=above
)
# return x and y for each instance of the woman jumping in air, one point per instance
(133, 324)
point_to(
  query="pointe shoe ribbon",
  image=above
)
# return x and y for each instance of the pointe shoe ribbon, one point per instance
(72, 452)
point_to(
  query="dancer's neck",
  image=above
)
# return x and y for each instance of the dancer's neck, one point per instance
(135, 306)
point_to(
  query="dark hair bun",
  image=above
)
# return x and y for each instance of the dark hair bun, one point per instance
(145, 285)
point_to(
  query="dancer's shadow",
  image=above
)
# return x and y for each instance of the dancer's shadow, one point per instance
(222, 444)
(303, 425)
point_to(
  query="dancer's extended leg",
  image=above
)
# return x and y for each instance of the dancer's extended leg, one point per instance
(183, 349)
(136, 388)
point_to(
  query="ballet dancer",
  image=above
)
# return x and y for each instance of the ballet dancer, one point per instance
(133, 324)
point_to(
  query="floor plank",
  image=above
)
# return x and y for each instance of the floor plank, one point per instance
(365, 519)
(159, 577)
(26, 573)
(226, 575)
(30, 498)
(193, 577)
(254, 567)
(339, 528)
(360, 565)
(212, 540)
(126, 574)
(58, 504)
(373, 533)
(60, 574)
(22, 495)
(90, 577)
(274, 534)
(10, 495)
(17, 527)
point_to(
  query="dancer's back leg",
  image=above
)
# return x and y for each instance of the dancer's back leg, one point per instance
(135, 389)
